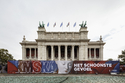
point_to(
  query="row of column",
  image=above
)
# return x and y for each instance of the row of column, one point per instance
(29, 53)
(34, 54)
(59, 52)
(96, 53)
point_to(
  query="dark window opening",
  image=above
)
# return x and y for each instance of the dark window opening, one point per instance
(56, 51)
(27, 52)
(62, 51)
(92, 53)
(69, 52)
(97, 53)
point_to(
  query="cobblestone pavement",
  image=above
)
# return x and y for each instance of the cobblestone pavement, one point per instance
(50, 78)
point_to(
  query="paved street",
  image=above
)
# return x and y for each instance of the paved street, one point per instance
(55, 78)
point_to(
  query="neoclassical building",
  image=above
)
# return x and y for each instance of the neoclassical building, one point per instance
(62, 46)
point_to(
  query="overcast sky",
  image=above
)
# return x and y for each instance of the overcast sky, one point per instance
(104, 17)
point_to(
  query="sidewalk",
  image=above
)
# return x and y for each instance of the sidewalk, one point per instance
(57, 78)
(62, 75)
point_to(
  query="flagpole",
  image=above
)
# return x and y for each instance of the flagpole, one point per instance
(69, 27)
(62, 28)
(75, 28)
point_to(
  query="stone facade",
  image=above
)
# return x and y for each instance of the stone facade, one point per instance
(62, 46)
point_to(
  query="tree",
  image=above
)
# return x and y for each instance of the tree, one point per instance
(5, 56)
(122, 58)
(110, 59)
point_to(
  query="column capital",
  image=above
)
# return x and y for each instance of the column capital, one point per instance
(45, 45)
(23, 46)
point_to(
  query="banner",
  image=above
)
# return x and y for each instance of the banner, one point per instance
(92, 67)
(12, 67)
(64, 67)
(49, 67)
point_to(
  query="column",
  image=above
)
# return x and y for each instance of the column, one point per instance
(52, 58)
(65, 52)
(30, 54)
(40, 51)
(79, 52)
(89, 53)
(23, 52)
(35, 53)
(94, 53)
(86, 52)
(72, 52)
(101, 53)
(59, 52)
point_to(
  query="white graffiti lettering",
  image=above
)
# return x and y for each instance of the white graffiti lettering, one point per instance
(97, 65)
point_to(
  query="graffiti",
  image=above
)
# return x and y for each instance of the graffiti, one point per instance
(36, 65)
(49, 67)
(3, 68)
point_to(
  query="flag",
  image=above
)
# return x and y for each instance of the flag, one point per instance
(48, 24)
(61, 24)
(68, 24)
(74, 24)
(54, 24)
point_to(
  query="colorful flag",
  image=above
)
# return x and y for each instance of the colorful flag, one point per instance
(68, 24)
(61, 24)
(54, 24)
(74, 24)
(48, 24)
